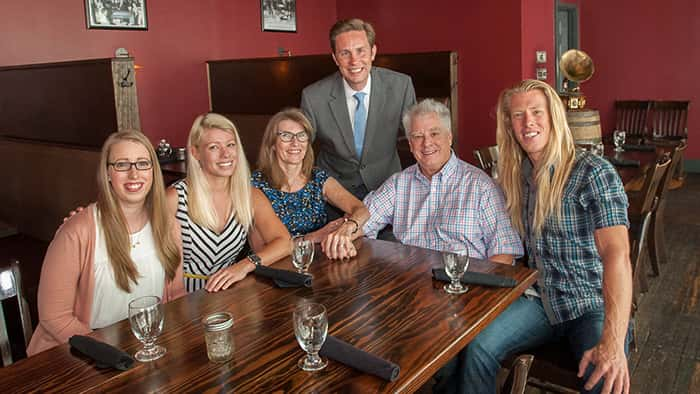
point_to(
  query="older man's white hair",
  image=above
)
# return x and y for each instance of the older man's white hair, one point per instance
(425, 107)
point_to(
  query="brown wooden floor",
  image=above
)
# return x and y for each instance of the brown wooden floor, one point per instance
(668, 356)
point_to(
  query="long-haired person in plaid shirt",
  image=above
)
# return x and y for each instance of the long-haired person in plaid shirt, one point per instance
(442, 203)
(571, 211)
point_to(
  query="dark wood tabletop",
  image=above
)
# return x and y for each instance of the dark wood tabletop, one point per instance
(384, 302)
(629, 174)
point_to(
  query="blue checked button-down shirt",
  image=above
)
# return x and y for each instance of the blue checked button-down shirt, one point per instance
(571, 270)
(460, 205)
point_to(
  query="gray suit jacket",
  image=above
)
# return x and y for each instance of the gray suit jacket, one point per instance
(325, 105)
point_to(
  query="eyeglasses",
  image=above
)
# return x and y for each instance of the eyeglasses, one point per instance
(123, 165)
(288, 136)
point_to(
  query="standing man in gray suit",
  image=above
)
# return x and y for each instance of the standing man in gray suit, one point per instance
(356, 112)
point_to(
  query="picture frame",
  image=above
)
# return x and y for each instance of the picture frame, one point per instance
(116, 14)
(279, 15)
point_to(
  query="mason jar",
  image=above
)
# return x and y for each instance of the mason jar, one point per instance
(218, 335)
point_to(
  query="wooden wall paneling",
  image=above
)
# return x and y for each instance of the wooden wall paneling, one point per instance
(125, 97)
(44, 183)
(67, 102)
(249, 91)
(251, 128)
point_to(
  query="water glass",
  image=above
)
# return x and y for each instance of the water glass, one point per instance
(302, 254)
(619, 140)
(218, 335)
(310, 329)
(456, 263)
(146, 318)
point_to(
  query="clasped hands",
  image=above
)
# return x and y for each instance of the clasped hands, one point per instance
(336, 239)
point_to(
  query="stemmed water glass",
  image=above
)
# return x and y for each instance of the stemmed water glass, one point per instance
(302, 254)
(619, 140)
(310, 328)
(146, 318)
(456, 263)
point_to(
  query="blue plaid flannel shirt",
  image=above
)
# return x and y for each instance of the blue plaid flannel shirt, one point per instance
(460, 205)
(571, 270)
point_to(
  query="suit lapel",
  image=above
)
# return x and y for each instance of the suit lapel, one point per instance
(339, 109)
(378, 96)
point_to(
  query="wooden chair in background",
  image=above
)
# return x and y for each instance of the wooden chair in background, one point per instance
(642, 206)
(669, 119)
(516, 381)
(631, 116)
(669, 124)
(11, 287)
(657, 244)
(487, 157)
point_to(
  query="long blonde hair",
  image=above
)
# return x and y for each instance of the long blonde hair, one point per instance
(114, 225)
(268, 163)
(200, 203)
(557, 161)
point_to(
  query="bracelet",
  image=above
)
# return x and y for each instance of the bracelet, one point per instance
(357, 225)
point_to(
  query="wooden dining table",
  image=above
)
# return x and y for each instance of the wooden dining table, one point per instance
(631, 173)
(384, 301)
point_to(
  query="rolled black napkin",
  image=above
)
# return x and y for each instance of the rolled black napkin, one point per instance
(283, 278)
(343, 352)
(639, 148)
(104, 355)
(623, 162)
(477, 278)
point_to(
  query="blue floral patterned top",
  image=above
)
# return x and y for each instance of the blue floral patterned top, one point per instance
(302, 211)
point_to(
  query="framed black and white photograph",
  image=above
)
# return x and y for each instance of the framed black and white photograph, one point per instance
(279, 15)
(116, 14)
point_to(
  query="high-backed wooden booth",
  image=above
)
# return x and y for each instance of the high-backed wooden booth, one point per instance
(250, 91)
(53, 120)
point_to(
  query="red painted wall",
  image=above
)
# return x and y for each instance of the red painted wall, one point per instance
(486, 34)
(538, 35)
(182, 35)
(643, 49)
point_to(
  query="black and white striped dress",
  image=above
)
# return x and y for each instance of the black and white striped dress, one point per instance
(204, 251)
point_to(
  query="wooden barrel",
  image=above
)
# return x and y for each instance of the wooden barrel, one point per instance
(585, 126)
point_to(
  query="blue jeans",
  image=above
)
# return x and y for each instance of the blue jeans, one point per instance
(522, 326)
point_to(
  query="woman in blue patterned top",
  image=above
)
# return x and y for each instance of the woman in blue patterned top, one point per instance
(298, 190)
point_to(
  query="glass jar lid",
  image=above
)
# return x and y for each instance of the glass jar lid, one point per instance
(218, 321)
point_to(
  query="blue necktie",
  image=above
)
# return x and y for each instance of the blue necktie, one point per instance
(360, 121)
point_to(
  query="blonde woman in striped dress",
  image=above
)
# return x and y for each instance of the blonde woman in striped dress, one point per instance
(217, 210)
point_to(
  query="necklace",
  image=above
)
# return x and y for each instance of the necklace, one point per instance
(135, 239)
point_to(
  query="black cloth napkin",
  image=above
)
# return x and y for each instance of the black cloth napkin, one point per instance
(284, 278)
(477, 278)
(639, 148)
(104, 355)
(623, 162)
(343, 352)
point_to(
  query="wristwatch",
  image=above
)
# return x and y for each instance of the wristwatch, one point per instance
(255, 259)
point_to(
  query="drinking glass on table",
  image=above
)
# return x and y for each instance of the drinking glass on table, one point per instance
(619, 140)
(302, 254)
(146, 318)
(456, 262)
(310, 328)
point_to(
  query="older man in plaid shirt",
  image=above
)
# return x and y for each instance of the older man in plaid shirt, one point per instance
(442, 203)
